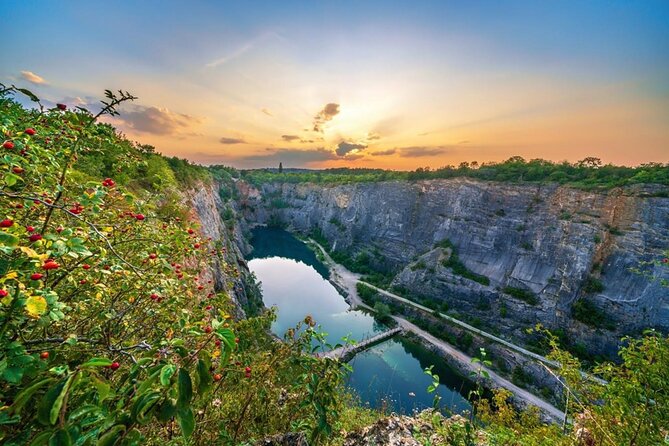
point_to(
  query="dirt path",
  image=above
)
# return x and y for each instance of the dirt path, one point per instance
(343, 278)
(497, 381)
(466, 326)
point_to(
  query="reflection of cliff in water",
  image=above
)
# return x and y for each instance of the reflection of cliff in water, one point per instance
(275, 242)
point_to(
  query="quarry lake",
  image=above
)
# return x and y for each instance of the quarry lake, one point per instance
(390, 374)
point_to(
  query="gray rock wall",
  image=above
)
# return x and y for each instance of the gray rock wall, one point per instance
(231, 275)
(546, 239)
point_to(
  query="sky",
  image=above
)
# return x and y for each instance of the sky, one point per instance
(387, 84)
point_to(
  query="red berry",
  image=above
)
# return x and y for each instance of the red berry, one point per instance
(196, 246)
(86, 266)
(18, 170)
(190, 231)
(59, 229)
(50, 264)
(4, 293)
(61, 106)
(35, 237)
(8, 145)
(6, 223)
(247, 369)
(207, 329)
(44, 355)
(30, 228)
(29, 131)
(154, 296)
(36, 276)
(114, 366)
(665, 260)
(140, 216)
(236, 340)
(217, 377)
(83, 281)
(218, 342)
(208, 307)
(200, 287)
(153, 255)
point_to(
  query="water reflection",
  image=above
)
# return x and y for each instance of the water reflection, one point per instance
(390, 374)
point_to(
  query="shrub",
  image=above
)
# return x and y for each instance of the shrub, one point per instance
(522, 294)
(586, 311)
(593, 285)
(106, 337)
(418, 265)
(382, 312)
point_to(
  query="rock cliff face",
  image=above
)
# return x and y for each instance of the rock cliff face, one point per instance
(545, 243)
(233, 275)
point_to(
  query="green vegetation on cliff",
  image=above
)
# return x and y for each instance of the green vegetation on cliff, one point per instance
(587, 173)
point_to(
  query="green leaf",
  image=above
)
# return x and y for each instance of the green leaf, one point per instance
(90, 410)
(24, 396)
(227, 337)
(144, 405)
(204, 379)
(186, 421)
(8, 239)
(60, 438)
(97, 362)
(148, 382)
(28, 93)
(47, 402)
(167, 410)
(13, 374)
(166, 374)
(102, 387)
(185, 389)
(11, 179)
(110, 437)
(41, 439)
(58, 402)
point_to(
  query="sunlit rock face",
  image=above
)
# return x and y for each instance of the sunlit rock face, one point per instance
(557, 244)
(230, 276)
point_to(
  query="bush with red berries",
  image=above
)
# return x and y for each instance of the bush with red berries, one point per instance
(105, 338)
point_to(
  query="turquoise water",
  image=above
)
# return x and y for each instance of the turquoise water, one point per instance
(390, 374)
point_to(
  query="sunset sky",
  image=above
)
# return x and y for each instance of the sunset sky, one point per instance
(358, 83)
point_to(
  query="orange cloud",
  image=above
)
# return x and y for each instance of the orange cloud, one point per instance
(33, 78)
